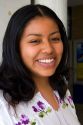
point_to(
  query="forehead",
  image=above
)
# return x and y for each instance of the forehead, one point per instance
(40, 24)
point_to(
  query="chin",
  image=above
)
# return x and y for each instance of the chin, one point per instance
(47, 74)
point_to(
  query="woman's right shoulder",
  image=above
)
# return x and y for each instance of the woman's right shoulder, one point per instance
(4, 114)
(1, 97)
(3, 102)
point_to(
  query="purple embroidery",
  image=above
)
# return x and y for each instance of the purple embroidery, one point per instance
(35, 109)
(64, 103)
(70, 101)
(19, 123)
(23, 120)
(41, 109)
(41, 105)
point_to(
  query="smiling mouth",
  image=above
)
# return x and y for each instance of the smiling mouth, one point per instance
(46, 61)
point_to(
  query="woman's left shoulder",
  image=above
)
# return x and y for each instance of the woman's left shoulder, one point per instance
(68, 96)
(68, 99)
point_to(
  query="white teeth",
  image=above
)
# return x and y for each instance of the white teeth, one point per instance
(46, 60)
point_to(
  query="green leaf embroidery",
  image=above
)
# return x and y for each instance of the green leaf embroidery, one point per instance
(41, 114)
(49, 109)
(33, 123)
(64, 105)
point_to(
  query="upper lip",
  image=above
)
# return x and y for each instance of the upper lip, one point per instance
(44, 58)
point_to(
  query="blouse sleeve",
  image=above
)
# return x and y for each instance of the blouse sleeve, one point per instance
(4, 115)
(70, 102)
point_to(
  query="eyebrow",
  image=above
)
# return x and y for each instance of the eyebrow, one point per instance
(54, 32)
(36, 34)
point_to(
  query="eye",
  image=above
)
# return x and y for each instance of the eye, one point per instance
(35, 41)
(55, 39)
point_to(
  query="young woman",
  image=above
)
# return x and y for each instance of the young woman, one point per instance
(33, 72)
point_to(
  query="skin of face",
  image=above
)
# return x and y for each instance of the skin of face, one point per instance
(41, 47)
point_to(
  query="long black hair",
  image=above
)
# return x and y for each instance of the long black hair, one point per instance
(15, 78)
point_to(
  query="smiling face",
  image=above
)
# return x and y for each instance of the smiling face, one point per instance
(41, 46)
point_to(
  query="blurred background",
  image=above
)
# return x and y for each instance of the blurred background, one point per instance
(75, 33)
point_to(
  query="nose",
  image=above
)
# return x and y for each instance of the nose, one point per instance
(47, 47)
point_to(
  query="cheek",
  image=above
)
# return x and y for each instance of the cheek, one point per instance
(28, 54)
(59, 49)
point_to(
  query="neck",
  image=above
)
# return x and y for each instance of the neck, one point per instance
(42, 84)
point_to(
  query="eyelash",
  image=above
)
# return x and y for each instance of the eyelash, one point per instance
(56, 39)
(35, 41)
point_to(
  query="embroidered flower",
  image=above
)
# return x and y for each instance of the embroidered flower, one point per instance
(65, 104)
(41, 105)
(24, 120)
(70, 101)
(19, 123)
(41, 109)
(35, 109)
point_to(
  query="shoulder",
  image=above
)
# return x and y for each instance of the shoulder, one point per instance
(28, 112)
(4, 114)
(2, 99)
(68, 103)
(69, 98)
(22, 114)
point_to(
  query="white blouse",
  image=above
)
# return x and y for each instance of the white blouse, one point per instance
(39, 112)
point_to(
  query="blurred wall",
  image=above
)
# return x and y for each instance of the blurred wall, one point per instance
(7, 8)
